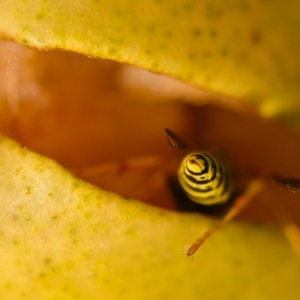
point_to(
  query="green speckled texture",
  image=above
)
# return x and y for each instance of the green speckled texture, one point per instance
(245, 49)
(67, 239)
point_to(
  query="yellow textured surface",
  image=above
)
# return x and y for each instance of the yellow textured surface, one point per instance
(241, 49)
(62, 238)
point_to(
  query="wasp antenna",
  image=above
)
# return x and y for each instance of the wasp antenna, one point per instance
(291, 184)
(174, 140)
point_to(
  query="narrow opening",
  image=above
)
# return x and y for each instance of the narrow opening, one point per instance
(105, 122)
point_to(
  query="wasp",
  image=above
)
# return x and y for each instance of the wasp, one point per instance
(208, 181)
(205, 183)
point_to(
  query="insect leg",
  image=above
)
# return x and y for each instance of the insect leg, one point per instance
(151, 161)
(290, 229)
(255, 187)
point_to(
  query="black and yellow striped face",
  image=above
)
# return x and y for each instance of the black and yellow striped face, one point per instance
(205, 179)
